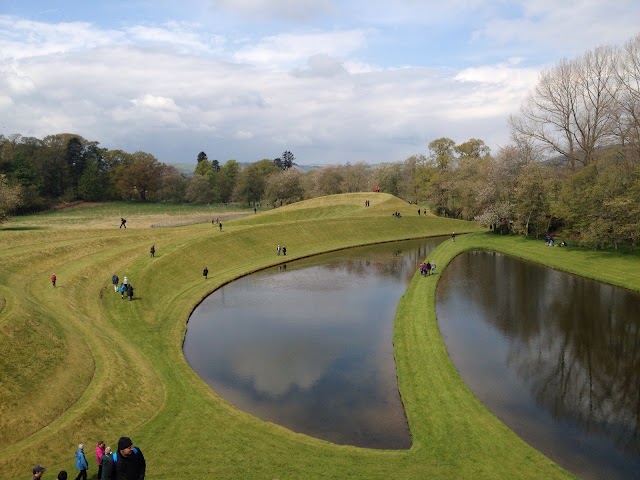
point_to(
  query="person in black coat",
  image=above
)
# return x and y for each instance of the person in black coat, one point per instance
(129, 461)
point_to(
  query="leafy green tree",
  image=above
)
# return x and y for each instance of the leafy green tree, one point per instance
(229, 173)
(75, 158)
(287, 160)
(285, 186)
(251, 182)
(356, 177)
(139, 177)
(9, 197)
(199, 190)
(442, 153)
(173, 187)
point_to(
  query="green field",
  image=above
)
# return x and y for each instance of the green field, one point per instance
(79, 364)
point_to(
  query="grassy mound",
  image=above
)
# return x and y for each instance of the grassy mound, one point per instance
(79, 364)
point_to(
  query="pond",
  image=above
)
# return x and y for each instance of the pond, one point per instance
(555, 356)
(309, 344)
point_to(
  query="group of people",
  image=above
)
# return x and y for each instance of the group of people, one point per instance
(215, 220)
(125, 288)
(396, 214)
(282, 250)
(126, 463)
(428, 268)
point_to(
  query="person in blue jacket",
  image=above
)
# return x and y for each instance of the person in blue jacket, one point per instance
(81, 463)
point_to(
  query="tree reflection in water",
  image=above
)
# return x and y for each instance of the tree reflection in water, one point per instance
(572, 343)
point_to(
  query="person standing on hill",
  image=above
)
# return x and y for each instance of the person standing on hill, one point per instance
(205, 272)
(284, 250)
(220, 226)
(152, 251)
(106, 464)
(453, 237)
(123, 222)
(114, 281)
(53, 279)
(129, 461)
(81, 463)
(100, 449)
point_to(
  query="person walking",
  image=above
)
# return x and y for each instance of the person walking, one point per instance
(284, 250)
(205, 272)
(433, 267)
(453, 237)
(115, 280)
(129, 461)
(278, 249)
(122, 290)
(125, 281)
(428, 268)
(81, 463)
(53, 279)
(130, 292)
(100, 449)
(123, 223)
(152, 251)
(220, 226)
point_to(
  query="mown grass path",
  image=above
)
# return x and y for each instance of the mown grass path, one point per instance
(79, 364)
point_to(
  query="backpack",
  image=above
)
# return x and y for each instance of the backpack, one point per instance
(115, 455)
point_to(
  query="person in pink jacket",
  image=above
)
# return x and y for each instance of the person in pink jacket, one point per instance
(99, 453)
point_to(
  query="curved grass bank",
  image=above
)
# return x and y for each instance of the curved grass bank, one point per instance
(79, 364)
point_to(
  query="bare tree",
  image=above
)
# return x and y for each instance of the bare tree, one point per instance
(628, 118)
(571, 111)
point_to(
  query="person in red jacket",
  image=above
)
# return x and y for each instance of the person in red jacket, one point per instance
(53, 279)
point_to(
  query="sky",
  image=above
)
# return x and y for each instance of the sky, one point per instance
(331, 81)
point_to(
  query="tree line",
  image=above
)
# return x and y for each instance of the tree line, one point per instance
(572, 165)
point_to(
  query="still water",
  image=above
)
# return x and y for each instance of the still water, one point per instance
(555, 356)
(309, 345)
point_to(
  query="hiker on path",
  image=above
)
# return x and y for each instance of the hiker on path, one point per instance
(205, 272)
(81, 463)
(53, 279)
(152, 251)
(122, 290)
(453, 237)
(123, 223)
(433, 267)
(129, 461)
(114, 281)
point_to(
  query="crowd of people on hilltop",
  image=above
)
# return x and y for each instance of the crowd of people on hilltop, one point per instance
(126, 463)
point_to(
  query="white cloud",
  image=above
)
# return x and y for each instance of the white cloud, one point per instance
(277, 9)
(289, 50)
(330, 94)
(154, 102)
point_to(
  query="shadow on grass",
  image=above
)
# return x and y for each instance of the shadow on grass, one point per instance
(26, 227)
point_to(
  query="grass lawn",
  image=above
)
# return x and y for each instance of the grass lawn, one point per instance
(79, 364)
